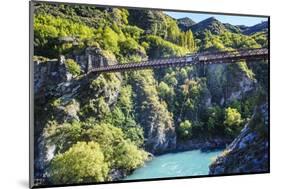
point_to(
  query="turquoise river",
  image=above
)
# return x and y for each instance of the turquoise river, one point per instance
(189, 163)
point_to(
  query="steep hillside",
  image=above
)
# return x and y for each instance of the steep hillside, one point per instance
(232, 28)
(185, 23)
(210, 24)
(125, 118)
(261, 27)
(248, 153)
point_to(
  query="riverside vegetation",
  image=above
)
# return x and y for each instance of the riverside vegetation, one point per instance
(95, 128)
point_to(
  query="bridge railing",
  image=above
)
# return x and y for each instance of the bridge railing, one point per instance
(205, 57)
(246, 53)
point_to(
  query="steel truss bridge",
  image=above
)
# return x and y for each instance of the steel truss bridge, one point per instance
(205, 58)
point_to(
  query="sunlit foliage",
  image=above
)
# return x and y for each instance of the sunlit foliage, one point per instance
(82, 163)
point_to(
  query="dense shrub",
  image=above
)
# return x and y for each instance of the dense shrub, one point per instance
(244, 68)
(133, 31)
(82, 163)
(128, 156)
(184, 129)
(232, 121)
(110, 40)
(130, 46)
(73, 67)
(55, 35)
(107, 136)
(164, 90)
(112, 142)
(232, 117)
(159, 47)
(226, 41)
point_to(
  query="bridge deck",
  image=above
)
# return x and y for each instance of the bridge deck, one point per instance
(197, 58)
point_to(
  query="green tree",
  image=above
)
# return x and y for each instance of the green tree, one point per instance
(73, 67)
(190, 41)
(214, 121)
(110, 40)
(117, 117)
(246, 70)
(164, 90)
(130, 46)
(82, 163)
(233, 122)
(186, 40)
(170, 79)
(159, 47)
(125, 99)
(184, 129)
(49, 30)
(135, 134)
(232, 117)
(173, 31)
(133, 31)
(111, 140)
(128, 156)
(108, 137)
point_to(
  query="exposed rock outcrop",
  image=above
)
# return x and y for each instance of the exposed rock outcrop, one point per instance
(152, 114)
(248, 153)
(228, 83)
(202, 144)
(62, 97)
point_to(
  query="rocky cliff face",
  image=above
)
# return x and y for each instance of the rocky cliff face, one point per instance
(152, 114)
(66, 98)
(60, 96)
(248, 153)
(159, 110)
(227, 83)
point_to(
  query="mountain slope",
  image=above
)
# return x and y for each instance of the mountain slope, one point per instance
(185, 23)
(210, 24)
(232, 28)
(151, 110)
(261, 27)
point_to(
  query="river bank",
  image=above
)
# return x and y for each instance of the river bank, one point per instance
(202, 144)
